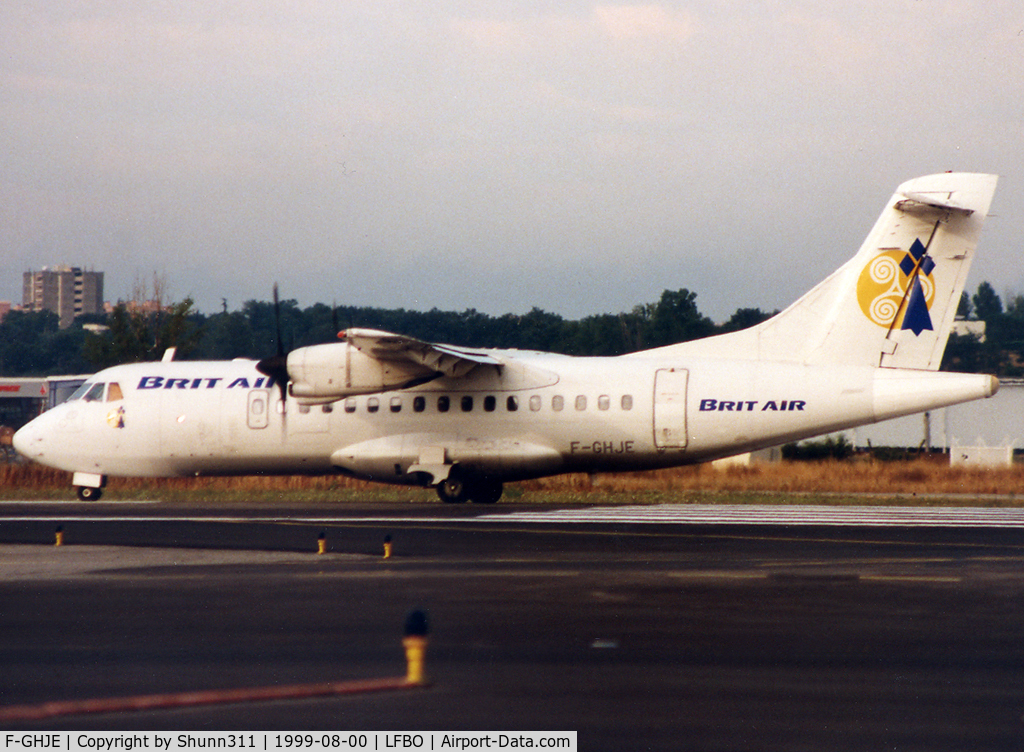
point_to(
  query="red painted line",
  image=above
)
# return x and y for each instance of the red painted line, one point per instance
(204, 697)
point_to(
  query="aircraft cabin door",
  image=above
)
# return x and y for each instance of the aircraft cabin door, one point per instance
(259, 408)
(670, 408)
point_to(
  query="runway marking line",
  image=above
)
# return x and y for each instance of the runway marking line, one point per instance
(70, 502)
(46, 710)
(908, 578)
(709, 575)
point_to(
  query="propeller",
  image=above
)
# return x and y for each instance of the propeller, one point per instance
(276, 366)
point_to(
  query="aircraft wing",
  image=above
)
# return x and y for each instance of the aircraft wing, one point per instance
(395, 348)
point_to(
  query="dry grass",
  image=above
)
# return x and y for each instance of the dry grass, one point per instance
(920, 476)
(31, 481)
(774, 482)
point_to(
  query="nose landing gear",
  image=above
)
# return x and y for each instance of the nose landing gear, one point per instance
(89, 486)
(88, 493)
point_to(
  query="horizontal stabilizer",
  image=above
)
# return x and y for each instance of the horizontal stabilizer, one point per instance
(945, 200)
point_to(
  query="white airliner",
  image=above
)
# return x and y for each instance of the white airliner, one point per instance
(862, 346)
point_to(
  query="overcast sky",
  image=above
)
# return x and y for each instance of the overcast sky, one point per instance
(571, 156)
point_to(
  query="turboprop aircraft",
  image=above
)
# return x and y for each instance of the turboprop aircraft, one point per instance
(862, 346)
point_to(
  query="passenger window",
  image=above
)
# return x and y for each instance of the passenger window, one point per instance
(419, 404)
(396, 404)
(467, 404)
(627, 402)
(557, 402)
(535, 402)
(114, 392)
(327, 408)
(304, 409)
(372, 405)
(490, 402)
(443, 404)
(512, 404)
(581, 402)
(350, 405)
(604, 402)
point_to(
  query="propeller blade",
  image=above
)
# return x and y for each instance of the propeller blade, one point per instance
(277, 319)
(276, 366)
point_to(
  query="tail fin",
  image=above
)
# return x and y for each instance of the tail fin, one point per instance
(892, 305)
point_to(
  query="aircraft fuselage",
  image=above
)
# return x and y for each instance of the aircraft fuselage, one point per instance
(538, 415)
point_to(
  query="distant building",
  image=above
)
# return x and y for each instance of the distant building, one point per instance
(67, 291)
(964, 328)
(5, 308)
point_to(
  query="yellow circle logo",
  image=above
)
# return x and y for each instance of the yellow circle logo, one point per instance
(883, 286)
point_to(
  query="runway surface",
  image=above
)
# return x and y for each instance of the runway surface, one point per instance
(711, 628)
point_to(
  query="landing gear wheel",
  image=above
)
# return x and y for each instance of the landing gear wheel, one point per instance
(453, 489)
(88, 493)
(486, 492)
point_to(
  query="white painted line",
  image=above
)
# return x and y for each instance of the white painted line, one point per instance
(680, 514)
(715, 514)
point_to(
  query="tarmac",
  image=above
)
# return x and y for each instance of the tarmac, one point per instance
(664, 634)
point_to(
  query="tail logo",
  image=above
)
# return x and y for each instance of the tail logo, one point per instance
(896, 289)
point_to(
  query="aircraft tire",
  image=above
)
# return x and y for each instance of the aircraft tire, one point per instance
(88, 493)
(453, 489)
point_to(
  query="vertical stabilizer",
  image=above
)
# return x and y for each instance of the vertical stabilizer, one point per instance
(892, 305)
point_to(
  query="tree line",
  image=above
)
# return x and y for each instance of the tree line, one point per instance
(32, 344)
(1001, 351)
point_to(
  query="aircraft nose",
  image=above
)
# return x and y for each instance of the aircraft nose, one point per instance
(28, 440)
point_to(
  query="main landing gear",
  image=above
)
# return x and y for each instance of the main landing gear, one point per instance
(457, 489)
(88, 493)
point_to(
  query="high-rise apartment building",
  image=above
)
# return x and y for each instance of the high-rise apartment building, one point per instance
(67, 291)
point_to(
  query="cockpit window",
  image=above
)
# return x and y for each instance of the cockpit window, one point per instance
(80, 392)
(95, 394)
(114, 392)
(89, 392)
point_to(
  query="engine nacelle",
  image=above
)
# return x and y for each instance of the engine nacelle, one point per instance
(326, 373)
